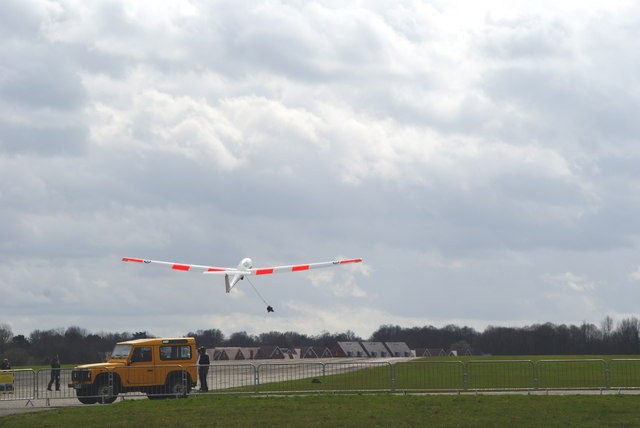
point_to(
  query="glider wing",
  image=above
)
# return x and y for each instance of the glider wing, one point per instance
(244, 268)
(189, 267)
(297, 268)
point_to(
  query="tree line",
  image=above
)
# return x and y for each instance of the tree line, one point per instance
(536, 339)
(77, 345)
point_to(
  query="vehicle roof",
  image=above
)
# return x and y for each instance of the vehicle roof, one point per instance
(158, 341)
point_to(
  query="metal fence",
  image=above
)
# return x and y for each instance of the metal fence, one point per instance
(329, 376)
(18, 384)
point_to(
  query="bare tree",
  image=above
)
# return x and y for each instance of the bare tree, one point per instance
(628, 333)
(5, 336)
(606, 327)
(208, 338)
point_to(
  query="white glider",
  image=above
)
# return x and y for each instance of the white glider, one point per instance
(245, 267)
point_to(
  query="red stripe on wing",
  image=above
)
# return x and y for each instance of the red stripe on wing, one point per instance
(351, 261)
(127, 259)
(180, 267)
(264, 271)
(301, 267)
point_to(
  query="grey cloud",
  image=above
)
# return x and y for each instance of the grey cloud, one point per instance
(45, 84)
(565, 105)
(18, 19)
(41, 140)
(312, 43)
(525, 37)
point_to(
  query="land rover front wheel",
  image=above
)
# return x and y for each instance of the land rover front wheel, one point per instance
(81, 394)
(105, 395)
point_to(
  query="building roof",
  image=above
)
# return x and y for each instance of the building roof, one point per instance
(375, 349)
(322, 352)
(435, 352)
(235, 353)
(308, 352)
(220, 354)
(398, 349)
(460, 352)
(269, 352)
(351, 348)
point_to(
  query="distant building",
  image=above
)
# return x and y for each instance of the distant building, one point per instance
(291, 353)
(430, 352)
(233, 354)
(398, 349)
(220, 355)
(307, 352)
(270, 353)
(314, 352)
(375, 349)
(459, 352)
(246, 353)
(348, 350)
(371, 350)
(322, 352)
(341, 349)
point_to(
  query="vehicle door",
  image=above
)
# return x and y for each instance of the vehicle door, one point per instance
(141, 369)
(175, 358)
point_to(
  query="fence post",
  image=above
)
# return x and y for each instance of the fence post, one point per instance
(465, 377)
(324, 375)
(110, 383)
(34, 392)
(392, 368)
(256, 377)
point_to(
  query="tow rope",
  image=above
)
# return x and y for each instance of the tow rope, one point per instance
(269, 307)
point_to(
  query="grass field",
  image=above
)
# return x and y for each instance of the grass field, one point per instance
(385, 410)
(350, 411)
(466, 373)
(434, 374)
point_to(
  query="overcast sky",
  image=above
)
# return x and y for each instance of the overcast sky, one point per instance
(481, 157)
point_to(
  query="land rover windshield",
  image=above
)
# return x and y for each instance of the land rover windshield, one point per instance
(121, 351)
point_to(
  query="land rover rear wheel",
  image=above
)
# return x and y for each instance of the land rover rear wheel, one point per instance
(176, 388)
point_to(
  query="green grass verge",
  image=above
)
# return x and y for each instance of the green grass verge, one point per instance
(349, 411)
(529, 357)
(467, 373)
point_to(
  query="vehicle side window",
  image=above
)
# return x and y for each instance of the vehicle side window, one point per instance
(141, 355)
(181, 352)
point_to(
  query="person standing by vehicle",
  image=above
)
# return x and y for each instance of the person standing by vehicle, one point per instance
(203, 368)
(55, 373)
(5, 365)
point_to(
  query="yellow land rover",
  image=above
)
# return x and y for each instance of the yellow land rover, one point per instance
(161, 368)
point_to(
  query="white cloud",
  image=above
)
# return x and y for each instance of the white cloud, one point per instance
(573, 282)
(326, 281)
(434, 260)
(635, 275)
